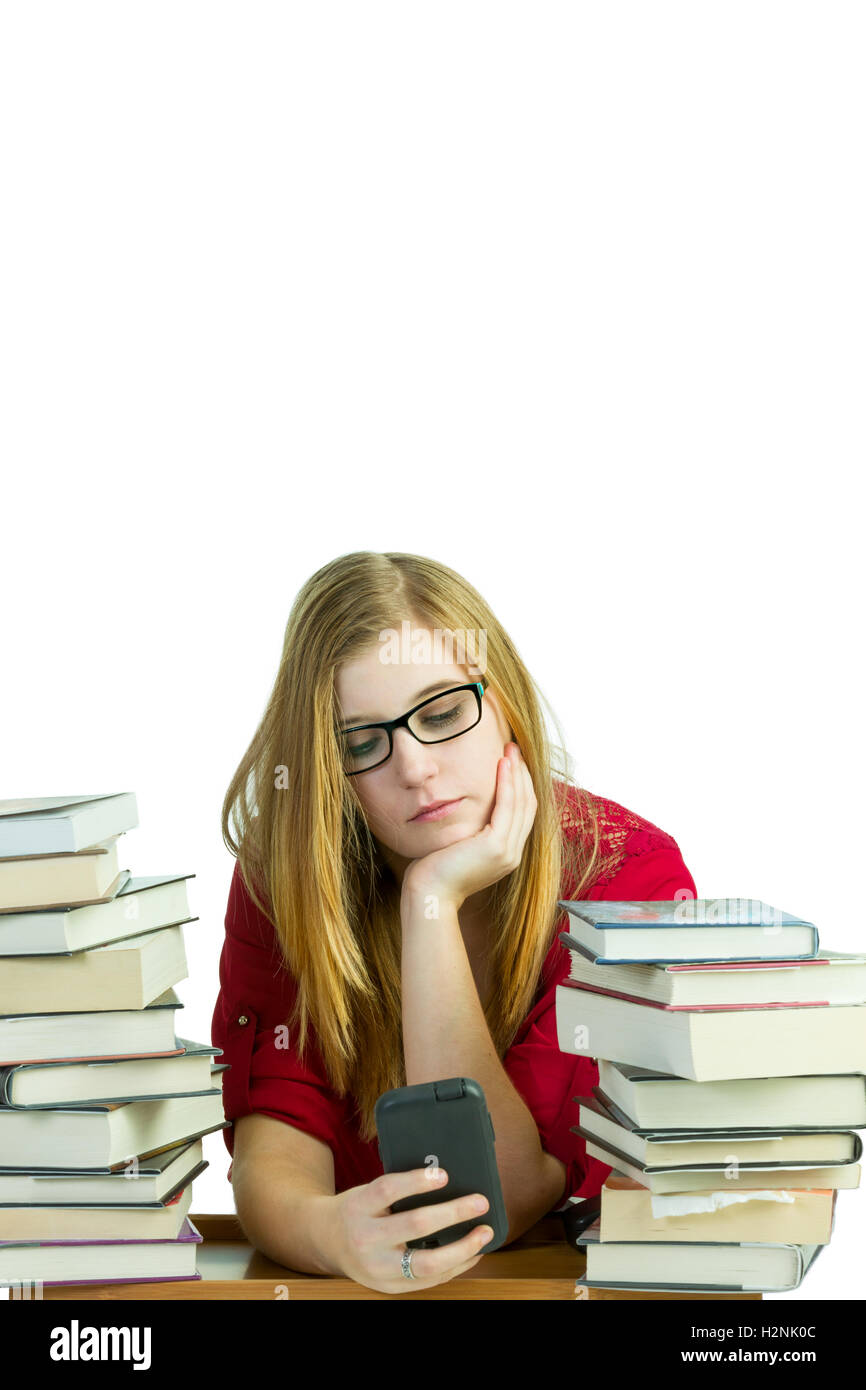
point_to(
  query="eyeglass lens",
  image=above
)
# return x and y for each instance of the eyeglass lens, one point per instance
(445, 717)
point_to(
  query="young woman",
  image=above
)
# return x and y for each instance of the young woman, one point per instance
(402, 837)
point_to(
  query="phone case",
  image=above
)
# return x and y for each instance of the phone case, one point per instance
(444, 1124)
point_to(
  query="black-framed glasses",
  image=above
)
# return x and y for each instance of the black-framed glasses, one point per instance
(442, 717)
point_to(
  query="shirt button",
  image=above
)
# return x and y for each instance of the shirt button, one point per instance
(243, 1019)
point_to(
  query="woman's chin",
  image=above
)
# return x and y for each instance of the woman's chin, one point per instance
(447, 832)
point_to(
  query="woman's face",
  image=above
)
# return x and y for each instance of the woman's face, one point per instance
(461, 769)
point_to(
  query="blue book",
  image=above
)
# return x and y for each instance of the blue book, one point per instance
(699, 930)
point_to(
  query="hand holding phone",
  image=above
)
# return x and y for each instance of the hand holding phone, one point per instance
(369, 1239)
(444, 1124)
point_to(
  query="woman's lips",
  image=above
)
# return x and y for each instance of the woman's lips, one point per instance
(439, 812)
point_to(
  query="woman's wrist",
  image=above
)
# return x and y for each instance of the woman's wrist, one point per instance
(426, 899)
(325, 1226)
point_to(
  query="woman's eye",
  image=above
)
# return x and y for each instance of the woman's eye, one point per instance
(359, 749)
(437, 720)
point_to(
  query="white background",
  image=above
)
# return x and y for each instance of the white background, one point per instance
(568, 296)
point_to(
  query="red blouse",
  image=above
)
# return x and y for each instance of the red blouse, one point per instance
(257, 993)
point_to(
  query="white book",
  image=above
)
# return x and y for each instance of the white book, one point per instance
(101, 1034)
(715, 1045)
(98, 1262)
(63, 824)
(123, 1078)
(152, 1182)
(709, 1266)
(831, 977)
(843, 1176)
(656, 1100)
(99, 1136)
(706, 1148)
(141, 905)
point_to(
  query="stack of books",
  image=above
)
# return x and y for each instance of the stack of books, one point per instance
(731, 1055)
(102, 1106)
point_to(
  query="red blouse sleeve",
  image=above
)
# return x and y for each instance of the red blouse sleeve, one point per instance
(266, 1075)
(547, 1078)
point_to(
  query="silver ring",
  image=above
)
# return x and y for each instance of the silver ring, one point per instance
(406, 1264)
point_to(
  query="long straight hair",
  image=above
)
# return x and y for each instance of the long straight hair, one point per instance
(293, 819)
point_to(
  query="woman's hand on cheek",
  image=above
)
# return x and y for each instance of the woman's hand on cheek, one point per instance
(453, 874)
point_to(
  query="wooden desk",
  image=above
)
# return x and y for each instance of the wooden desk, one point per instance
(540, 1265)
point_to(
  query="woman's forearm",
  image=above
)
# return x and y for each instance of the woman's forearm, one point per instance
(445, 1034)
(292, 1226)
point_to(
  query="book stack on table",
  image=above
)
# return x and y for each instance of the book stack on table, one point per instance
(731, 1057)
(102, 1106)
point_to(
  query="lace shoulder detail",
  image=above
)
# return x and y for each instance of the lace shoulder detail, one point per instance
(621, 832)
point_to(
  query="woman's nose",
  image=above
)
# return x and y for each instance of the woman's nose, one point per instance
(410, 756)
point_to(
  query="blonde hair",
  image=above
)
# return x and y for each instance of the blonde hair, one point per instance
(310, 863)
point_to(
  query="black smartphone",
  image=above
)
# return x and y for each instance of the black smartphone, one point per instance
(444, 1124)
